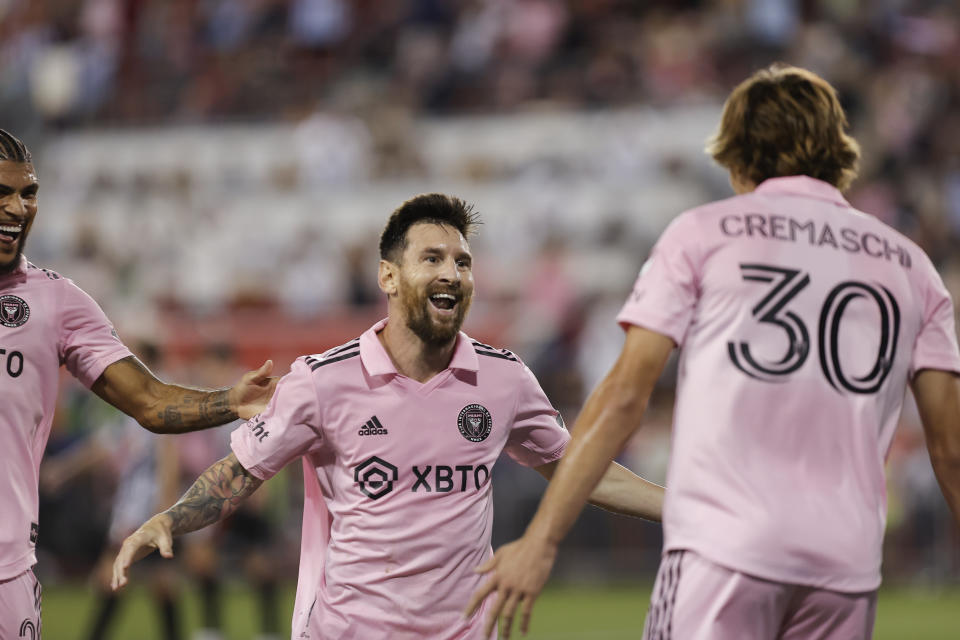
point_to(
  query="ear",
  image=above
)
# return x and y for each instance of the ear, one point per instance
(387, 276)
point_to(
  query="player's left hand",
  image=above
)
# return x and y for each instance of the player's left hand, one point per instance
(518, 572)
(251, 395)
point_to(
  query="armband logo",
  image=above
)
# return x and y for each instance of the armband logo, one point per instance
(14, 311)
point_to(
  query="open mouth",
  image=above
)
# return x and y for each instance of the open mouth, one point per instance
(443, 301)
(10, 233)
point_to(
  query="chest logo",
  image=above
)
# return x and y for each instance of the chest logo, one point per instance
(14, 311)
(475, 422)
(372, 427)
(375, 477)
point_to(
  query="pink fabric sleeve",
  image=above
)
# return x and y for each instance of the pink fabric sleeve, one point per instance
(936, 344)
(88, 343)
(666, 291)
(288, 428)
(538, 435)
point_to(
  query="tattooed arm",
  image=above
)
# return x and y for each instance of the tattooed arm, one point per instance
(215, 495)
(167, 408)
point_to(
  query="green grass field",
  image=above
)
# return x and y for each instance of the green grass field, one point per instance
(582, 613)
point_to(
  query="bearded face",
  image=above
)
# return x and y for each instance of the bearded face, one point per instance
(434, 313)
(435, 283)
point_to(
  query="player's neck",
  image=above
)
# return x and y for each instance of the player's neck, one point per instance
(413, 357)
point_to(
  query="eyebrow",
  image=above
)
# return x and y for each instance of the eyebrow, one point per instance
(459, 254)
(7, 189)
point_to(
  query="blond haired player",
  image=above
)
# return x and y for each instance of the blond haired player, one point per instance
(800, 323)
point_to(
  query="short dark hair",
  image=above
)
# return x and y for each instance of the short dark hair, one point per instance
(784, 121)
(434, 208)
(13, 149)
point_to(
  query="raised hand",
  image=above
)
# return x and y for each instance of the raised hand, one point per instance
(254, 390)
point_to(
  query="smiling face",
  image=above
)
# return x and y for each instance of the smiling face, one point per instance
(18, 207)
(431, 288)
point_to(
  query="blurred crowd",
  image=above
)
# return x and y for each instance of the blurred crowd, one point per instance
(214, 170)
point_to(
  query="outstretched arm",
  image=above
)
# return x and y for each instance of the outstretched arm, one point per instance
(519, 570)
(168, 408)
(938, 399)
(215, 495)
(621, 491)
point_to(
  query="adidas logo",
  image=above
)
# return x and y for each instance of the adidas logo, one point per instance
(372, 427)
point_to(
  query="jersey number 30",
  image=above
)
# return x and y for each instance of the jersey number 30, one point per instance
(772, 309)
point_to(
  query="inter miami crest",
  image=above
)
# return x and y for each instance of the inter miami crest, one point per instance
(475, 422)
(14, 311)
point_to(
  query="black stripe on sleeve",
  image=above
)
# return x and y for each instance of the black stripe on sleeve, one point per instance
(344, 347)
(327, 361)
(497, 354)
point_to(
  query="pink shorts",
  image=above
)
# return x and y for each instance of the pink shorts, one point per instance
(695, 599)
(20, 607)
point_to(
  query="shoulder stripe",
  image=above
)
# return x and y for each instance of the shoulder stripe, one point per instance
(497, 354)
(320, 359)
(344, 347)
(52, 275)
(487, 350)
(344, 356)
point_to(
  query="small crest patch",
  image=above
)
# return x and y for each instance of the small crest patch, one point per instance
(14, 311)
(475, 422)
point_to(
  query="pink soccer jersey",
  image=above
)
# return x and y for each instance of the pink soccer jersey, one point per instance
(800, 322)
(45, 321)
(398, 507)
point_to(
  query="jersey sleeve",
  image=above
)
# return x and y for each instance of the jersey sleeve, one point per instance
(288, 428)
(88, 343)
(936, 344)
(537, 435)
(666, 291)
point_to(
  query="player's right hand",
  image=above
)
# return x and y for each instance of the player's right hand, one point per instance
(152, 534)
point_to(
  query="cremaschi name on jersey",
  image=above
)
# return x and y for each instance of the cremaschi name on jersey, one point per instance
(789, 285)
(815, 233)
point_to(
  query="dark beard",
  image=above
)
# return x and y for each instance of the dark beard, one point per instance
(431, 333)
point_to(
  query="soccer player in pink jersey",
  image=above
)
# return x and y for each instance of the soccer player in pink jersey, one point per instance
(801, 322)
(398, 431)
(46, 321)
